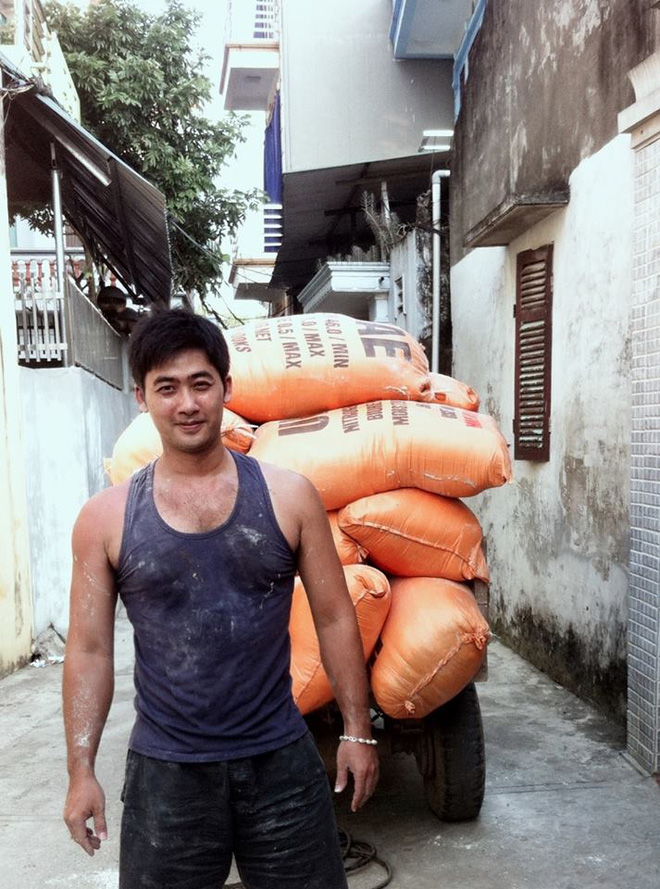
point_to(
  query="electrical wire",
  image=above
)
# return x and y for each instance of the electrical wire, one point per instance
(218, 259)
(358, 855)
(14, 88)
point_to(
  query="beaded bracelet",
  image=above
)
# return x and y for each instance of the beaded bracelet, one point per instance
(371, 741)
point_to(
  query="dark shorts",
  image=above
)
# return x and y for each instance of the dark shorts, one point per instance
(183, 821)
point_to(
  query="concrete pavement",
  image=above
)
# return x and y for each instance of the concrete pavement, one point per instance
(564, 809)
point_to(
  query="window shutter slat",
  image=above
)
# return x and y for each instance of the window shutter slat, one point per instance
(533, 354)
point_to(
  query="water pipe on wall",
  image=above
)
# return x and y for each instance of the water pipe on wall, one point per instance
(436, 195)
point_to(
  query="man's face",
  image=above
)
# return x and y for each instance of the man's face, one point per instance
(185, 397)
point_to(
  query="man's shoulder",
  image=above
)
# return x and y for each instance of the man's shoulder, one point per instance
(284, 480)
(103, 513)
(293, 490)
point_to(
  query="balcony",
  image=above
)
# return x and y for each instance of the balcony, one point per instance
(251, 64)
(35, 51)
(350, 288)
(426, 29)
(254, 252)
(55, 329)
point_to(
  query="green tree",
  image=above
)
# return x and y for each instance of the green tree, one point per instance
(142, 92)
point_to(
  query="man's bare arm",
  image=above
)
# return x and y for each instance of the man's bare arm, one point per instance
(339, 640)
(88, 682)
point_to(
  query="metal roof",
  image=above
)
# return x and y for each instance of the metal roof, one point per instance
(120, 216)
(322, 214)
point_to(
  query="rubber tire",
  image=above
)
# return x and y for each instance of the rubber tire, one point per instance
(456, 772)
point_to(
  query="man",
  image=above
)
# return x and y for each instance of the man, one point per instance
(202, 547)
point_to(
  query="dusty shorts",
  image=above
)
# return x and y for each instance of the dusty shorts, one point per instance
(183, 821)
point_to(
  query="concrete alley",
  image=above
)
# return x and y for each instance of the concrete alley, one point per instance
(564, 808)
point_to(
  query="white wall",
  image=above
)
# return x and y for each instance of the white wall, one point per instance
(244, 171)
(344, 98)
(15, 598)
(405, 264)
(71, 421)
(558, 536)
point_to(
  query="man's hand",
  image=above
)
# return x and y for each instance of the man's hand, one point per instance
(85, 800)
(362, 761)
(88, 675)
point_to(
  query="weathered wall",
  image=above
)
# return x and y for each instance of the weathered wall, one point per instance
(558, 537)
(546, 82)
(15, 592)
(71, 421)
(407, 264)
(344, 98)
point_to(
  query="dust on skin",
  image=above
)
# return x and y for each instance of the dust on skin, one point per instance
(91, 590)
(81, 706)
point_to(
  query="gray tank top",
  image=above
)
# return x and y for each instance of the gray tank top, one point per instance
(210, 615)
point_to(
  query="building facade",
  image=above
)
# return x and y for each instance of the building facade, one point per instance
(63, 383)
(554, 275)
(543, 240)
(344, 124)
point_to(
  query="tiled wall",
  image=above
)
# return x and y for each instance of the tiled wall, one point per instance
(644, 602)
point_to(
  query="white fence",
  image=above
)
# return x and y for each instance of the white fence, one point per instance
(55, 329)
(40, 314)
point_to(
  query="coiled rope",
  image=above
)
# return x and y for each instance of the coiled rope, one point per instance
(358, 855)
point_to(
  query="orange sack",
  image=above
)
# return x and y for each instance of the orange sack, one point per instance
(447, 390)
(299, 365)
(357, 451)
(370, 592)
(140, 443)
(410, 532)
(349, 552)
(434, 641)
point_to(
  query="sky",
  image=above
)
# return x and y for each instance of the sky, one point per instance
(211, 32)
(238, 173)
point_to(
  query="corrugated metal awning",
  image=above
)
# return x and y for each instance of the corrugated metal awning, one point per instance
(121, 217)
(321, 209)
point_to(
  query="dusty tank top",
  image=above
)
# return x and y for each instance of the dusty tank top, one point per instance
(210, 614)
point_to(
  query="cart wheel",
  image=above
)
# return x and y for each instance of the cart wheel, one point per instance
(452, 758)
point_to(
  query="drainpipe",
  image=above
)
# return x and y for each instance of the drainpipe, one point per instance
(436, 194)
(59, 245)
(57, 216)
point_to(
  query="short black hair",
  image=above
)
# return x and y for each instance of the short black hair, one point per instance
(160, 336)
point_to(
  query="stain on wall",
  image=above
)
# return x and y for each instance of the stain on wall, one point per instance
(561, 652)
(558, 537)
(546, 82)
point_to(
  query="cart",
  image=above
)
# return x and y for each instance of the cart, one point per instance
(448, 744)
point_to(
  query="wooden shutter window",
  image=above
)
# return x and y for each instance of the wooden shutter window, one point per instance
(533, 313)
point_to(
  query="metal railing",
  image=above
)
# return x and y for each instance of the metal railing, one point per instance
(40, 325)
(62, 330)
(260, 234)
(40, 314)
(31, 266)
(252, 20)
(272, 227)
(96, 346)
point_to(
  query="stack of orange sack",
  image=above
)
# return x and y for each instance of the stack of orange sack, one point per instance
(390, 447)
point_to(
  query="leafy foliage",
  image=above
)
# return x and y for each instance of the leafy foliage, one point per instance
(142, 89)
